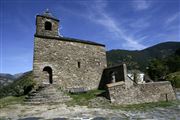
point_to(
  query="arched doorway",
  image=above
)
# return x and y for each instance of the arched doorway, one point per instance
(49, 71)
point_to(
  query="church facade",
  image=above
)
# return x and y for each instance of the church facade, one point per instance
(65, 62)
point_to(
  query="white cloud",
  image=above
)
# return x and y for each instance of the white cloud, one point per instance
(141, 4)
(98, 14)
(173, 18)
(139, 24)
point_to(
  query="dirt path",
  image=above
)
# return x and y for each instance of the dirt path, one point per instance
(36, 112)
(62, 111)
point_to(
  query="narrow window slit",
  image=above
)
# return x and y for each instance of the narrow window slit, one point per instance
(79, 64)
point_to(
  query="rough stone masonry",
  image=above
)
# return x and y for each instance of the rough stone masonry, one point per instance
(66, 62)
(126, 91)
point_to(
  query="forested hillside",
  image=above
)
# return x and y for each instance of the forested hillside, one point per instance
(140, 59)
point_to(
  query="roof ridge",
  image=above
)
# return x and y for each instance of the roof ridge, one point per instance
(71, 40)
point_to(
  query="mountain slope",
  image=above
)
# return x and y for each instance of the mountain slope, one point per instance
(18, 87)
(140, 59)
(6, 75)
(162, 50)
(6, 78)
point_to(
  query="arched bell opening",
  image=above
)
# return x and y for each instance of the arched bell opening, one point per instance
(48, 26)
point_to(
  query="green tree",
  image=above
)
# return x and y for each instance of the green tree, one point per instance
(177, 52)
(157, 69)
(173, 63)
(174, 78)
(131, 64)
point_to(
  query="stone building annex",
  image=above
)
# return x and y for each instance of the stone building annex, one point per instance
(71, 65)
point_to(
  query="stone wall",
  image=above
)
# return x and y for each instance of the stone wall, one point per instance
(141, 93)
(120, 73)
(63, 58)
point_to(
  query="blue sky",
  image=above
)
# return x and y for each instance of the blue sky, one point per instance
(119, 24)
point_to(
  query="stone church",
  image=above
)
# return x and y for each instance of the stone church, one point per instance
(66, 62)
(63, 64)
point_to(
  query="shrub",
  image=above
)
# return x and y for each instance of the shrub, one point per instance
(174, 78)
(20, 87)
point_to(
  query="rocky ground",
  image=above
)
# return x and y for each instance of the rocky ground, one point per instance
(62, 111)
(56, 112)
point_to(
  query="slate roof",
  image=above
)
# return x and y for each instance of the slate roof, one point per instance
(70, 40)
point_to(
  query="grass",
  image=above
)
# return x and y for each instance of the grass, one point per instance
(83, 98)
(146, 106)
(10, 100)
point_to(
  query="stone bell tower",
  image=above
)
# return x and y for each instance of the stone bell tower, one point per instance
(47, 25)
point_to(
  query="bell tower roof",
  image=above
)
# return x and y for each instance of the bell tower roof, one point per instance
(48, 14)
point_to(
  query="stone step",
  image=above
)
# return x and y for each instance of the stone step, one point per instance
(46, 94)
(39, 102)
(46, 100)
(35, 97)
(52, 96)
(49, 97)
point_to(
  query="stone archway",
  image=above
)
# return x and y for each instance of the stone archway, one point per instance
(50, 75)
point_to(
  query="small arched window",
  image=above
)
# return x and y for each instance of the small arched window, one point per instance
(48, 26)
